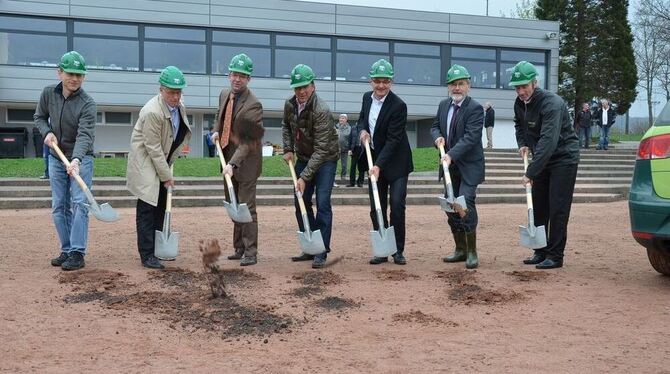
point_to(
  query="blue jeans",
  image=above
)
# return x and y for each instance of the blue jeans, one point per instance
(322, 184)
(604, 137)
(45, 156)
(584, 136)
(70, 214)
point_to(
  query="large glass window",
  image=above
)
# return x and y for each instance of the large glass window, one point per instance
(107, 46)
(355, 56)
(31, 41)
(226, 44)
(182, 47)
(509, 58)
(292, 50)
(417, 64)
(480, 62)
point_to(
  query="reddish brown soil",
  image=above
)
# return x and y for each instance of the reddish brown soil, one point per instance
(605, 311)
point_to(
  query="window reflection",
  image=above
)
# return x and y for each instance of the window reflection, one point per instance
(190, 58)
(286, 60)
(417, 70)
(482, 73)
(355, 66)
(109, 54)
(44, 50)
(479, 53)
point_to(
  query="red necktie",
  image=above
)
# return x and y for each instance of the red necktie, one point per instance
(227, 122)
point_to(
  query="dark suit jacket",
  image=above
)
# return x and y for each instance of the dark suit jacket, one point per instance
(465, 148)
(244, 148)
(392, 153)
(611, 117)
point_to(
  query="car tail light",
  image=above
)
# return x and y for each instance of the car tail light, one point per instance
(654, 148)
(642, 235)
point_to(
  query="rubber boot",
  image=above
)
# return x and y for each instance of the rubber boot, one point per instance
(460, 252)
(472, 260)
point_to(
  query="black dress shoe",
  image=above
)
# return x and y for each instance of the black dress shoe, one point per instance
(535, 259)
(75, 261)
(378, 260)
(549, 264)
(302, 257)
(399, 259)
(236, 256)
(58, 261)
(319, 262)
(152, 262)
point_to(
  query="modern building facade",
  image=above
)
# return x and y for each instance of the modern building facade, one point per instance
(127, 42)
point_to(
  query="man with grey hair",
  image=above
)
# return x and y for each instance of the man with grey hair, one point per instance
(343, 132)
(604, 117)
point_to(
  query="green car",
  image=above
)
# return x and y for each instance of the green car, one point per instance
(649, 200)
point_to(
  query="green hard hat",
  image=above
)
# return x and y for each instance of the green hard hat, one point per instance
(301, 75)
(524, 72)
(242, 64)
(73, 62)
(172, 77)
(457, 72)
(381, 69)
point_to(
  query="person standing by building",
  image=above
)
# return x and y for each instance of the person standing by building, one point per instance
(308, 132)
(160, 133)
(458, 128)
(358, 160)
(584, 126)
(211, 148)
(343, 133)
(383, 123)
(544, 129)
(66, 116)
(605, 117)
(239, 130)
(489, 122)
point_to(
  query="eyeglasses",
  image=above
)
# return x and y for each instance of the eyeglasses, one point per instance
(384, 81)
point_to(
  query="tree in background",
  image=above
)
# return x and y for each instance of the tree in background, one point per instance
(596, 54)
(650, 51)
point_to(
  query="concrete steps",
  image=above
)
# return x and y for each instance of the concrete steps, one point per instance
(602, 177)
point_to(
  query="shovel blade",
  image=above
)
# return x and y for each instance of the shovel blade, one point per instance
(104, 212)
(447, 204)
(383, 242)
(533, 237)
(312, 243)
(239, 213)
(166, 245)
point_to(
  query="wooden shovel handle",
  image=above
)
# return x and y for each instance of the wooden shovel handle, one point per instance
(223, 164)
(373, 179)
(62, 157)
(301, 202)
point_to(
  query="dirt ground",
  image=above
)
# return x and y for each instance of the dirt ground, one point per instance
(607, 310)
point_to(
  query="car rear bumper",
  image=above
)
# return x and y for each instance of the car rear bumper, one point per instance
(649, 213)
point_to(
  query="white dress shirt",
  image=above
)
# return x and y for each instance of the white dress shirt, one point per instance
(604, 117)
(375, 108)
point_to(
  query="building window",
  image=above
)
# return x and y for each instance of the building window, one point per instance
(32, 41)
(107, 46)
(417, 64)
(118, 118)
(20, 115)
(292, 50)
(226, 44)
(509, 58)
(480, 62)
(355, 56)
(182, 47)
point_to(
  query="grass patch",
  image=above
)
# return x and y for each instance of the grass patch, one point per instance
(425, 159)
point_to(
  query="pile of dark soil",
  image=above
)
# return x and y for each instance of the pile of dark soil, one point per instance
(473, 294)
(527, 276)
(394, 275)
(417, 316)
(334, 303)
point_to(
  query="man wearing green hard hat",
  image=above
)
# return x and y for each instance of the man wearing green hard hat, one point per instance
(458, 130)
(239, 130)
(309, 134)
(383, 123)
(160, 133)
(543, 128)
(66, 117)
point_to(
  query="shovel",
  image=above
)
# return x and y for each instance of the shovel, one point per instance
(531, 236)
(311, 242)
(450, 204)
(237, 212)
(103, 212)
(383, 241)
(166, 242)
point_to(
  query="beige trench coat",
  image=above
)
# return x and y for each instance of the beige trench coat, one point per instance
(150, 144)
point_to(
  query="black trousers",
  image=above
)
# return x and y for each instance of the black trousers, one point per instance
(397, 191)
(552, 200)
(148, 219)
(469, 222)
(359, 162)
